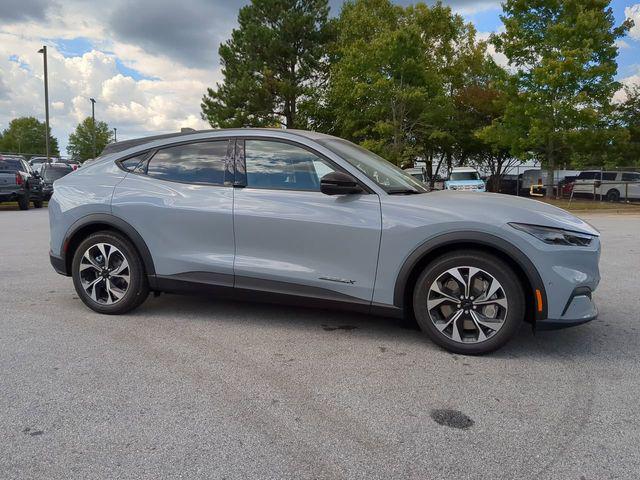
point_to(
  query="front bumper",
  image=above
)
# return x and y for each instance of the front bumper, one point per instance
(579, 309)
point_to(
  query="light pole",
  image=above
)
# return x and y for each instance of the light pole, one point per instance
(93, 124)
(43, 51)
(115, 134)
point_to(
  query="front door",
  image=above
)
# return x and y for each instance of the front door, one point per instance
(293, 239)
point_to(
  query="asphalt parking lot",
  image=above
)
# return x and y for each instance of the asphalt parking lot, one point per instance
(189, 387)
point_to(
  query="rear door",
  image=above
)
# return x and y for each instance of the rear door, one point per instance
(293, 239)
(180, 199)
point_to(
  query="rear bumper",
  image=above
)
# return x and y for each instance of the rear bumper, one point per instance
(58, 264)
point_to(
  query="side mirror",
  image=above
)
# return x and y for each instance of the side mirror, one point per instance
(339, 183)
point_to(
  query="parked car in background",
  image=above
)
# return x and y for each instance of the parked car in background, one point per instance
(507, 184)
(419, 173)
(465, 179)
(534, 182)
(51, 172)
(37, 162)
(19, 183)
(302, 217)
(71, 163)
(613, 186)
(565, 186)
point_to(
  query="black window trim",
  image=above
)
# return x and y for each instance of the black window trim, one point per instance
(149, 154)
(241, 164)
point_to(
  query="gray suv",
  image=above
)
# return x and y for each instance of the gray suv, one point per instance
(283, 215)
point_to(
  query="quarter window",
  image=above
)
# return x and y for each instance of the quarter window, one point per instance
(203, 162)
(281, 166)
(133, 164)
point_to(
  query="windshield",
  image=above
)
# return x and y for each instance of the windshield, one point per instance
(461, 176)
(52, 174)
(385, 174)
(10, 164)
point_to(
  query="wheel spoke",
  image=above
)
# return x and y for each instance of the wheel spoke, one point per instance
(455, 273)
(103, 253)
(123, 266)
(480, 319)
(90, 288)
(481, 335)
(453, 319)
(91, 263)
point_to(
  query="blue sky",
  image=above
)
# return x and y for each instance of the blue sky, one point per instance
(148, 67)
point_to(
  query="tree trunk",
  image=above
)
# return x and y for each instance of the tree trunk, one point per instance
(551, 166)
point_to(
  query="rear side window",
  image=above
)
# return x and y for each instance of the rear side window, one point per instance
(608, 176)
(281, 166)
(631, 177)
(203, 162)
(10, 164)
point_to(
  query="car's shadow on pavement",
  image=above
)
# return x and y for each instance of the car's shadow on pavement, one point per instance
(584, 340)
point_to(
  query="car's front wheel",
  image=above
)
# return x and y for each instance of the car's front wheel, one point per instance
(469, 302)
(108, 274)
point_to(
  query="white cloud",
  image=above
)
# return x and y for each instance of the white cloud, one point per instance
(166, 99)
(498, 57)
(633, 12)
(622, 45)
(630, 81)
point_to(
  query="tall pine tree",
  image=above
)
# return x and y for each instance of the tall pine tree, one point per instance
(271, 66)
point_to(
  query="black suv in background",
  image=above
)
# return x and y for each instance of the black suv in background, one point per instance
(50, 172)
(18, 182)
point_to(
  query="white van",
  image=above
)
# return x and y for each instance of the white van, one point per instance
(611, 185)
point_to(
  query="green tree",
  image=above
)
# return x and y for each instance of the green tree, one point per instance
(564, 56)
(628, 118)
(397, 78)
(27, 135)
(80, 145)
(272, 65)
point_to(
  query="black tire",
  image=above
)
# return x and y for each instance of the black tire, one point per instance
(23, 202)
(138, 287)
(493, 266)
(613, 195)
(38, 203)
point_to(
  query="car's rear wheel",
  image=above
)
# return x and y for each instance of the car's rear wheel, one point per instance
(613, 195)
(37, 203)
(469, 302)
(108, 274)
(23, 202)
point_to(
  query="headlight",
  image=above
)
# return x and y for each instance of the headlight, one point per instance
(555, 236)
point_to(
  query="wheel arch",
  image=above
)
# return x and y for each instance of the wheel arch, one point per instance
(97, 222)
(433, 248)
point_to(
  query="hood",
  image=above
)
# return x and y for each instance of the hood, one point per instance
(490, 208)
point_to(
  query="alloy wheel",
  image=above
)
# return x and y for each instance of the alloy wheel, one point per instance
(104, 273)
(467, 304)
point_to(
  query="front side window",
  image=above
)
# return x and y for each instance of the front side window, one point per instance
(203, 162)
(389, 177)
(281, 166)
